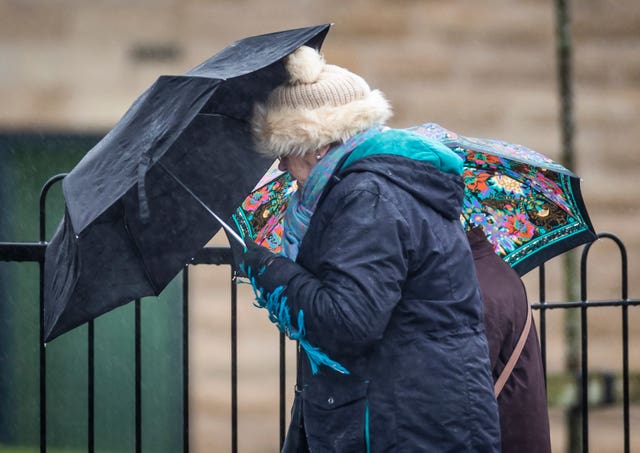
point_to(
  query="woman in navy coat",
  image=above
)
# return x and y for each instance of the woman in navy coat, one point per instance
(377, 283)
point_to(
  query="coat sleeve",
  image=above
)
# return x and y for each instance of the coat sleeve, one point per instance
(361, 264)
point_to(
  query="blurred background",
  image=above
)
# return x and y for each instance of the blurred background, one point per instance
(484, 68)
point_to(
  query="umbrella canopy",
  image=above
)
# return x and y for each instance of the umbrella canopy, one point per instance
(529, 206)
(134, 204)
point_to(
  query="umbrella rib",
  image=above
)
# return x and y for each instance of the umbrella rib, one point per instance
(224, 115)
(202, 203)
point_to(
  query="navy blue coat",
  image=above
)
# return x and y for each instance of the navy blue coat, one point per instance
(387, 284)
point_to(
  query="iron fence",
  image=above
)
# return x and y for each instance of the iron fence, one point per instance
(34, 252)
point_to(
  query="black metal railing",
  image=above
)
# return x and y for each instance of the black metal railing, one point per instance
(35, 252)
(583, 379)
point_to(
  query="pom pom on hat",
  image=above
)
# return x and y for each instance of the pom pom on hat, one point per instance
(320, 104)
(304, 65)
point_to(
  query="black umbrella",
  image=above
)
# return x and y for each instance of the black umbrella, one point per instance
(134, 204)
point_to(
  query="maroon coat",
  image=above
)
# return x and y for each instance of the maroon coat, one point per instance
(524, 420)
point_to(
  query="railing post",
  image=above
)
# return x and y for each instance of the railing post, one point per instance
(543, 319)
(185, 360)
(234, 363)
(138, 376)
(283, 376)
(625, 323)
(42, 346)
(584, 348)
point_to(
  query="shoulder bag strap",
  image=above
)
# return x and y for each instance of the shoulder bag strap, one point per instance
(515, 355)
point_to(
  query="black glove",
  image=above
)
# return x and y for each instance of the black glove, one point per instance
(255, 258)
(251, 255)
(268, 269)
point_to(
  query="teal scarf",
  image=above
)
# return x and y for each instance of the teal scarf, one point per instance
(304, 202)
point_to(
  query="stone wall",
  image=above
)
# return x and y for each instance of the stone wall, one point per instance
(481, 68)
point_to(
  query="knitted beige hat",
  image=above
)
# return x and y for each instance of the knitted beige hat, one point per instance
(320, 104)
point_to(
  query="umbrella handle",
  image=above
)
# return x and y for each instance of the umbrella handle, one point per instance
(224, 225)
